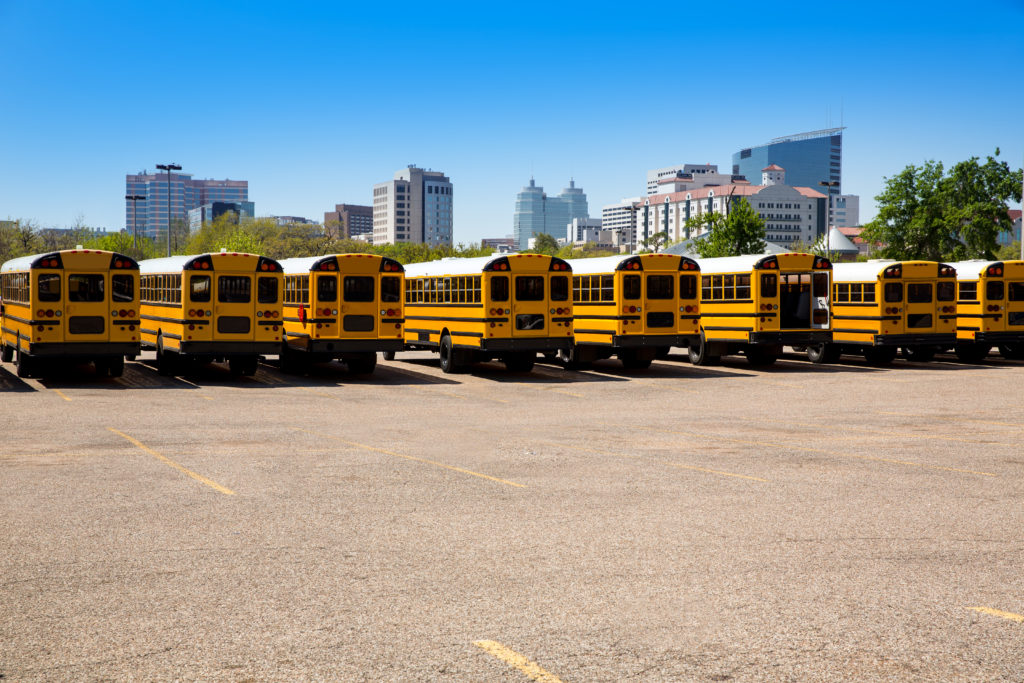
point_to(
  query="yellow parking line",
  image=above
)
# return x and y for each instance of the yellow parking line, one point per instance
(411, 457)
(1019, 618)
(532, 669)
(934, 437)
(823, 451)
(167, 461)
(61, 394)
(664, 462)
(567, 393)
(958, 419)
(207, 398)
(320, 393)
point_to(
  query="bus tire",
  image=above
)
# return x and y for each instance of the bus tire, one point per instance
(919, 354)
(760, 357)
(570, 358)
(971, 353)
(880, 355)
(6, 353)
(244, 366)
(520, 362)
(166, 362)
(822, 353)
(1012, 350)
(698, 353)
(450, 361)
(363, 364)
(26, 365)
(388, 355)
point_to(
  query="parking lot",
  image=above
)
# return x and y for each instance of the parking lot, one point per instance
(798, 522)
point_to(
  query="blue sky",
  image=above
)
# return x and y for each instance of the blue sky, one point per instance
(313, 103)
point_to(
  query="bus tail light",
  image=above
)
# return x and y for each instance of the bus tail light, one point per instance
(392, 312)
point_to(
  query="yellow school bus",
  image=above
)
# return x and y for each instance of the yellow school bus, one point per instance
(211, 307)
(476, 309)
(758, 304)
(635, 307)
(881, 306)
(345, 306)
(989, 309)
(76, 304)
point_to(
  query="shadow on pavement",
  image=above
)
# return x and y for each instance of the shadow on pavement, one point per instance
(10, 381)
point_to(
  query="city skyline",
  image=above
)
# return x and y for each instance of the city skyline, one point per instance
(928, 82)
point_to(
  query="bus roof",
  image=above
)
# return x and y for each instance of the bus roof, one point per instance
(971, 269)
(463, 266)
(609, 264)
(869, 270)
(25, 262)
(175, 264)
(729, 264)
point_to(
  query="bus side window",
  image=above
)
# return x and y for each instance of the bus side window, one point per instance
(994, 290)
(742, 286)
(499, 288)
(631, 286)
(266, 290)
(769, 285)
(893, 292)
(199, 288)
(49, 287)
(559, 288)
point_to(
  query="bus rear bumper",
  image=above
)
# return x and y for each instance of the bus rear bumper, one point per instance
(341, 346)
(792, 338)
(230, 348)
(629, 341)
(536, 344)
(84, 349)
(943, 340)
(998, 337)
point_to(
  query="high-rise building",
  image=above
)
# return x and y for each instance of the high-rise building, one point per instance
(213, 210)
(538, 213)
(809, 159)
(185, 194)
(621, 218)
(846, 211)
(416, 206)
(687, 176)
(353, 220)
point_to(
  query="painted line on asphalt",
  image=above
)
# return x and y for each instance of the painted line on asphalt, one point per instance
(414, 458)
(823, 451)
(933, 437)
(563, 391)
(318, 393)
(1019, 618)
(167, 461)
(658, 460)
(958, 419)
(517, 661)
(61, 394)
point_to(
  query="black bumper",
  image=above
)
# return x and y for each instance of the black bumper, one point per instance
(631, 341)
(537, 344)
(944, 340)
(997, 337)
(339, 347)
(792, 338)
(230, 348)
(85, 349)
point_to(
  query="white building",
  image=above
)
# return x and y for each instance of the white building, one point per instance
(414, 207)
(790, 213)
(686, 177)
(846, 211)
(621, 219)
(583, 230)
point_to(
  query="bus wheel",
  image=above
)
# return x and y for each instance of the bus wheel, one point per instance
(880, 355)
(971, 353)
(570, 358)
(26, 365)
(388, 355)
(243, 365)
(166, 362)
(636, 359)
(1012, 351)
(6, 353)
(822, 353)
(520, 362)
(760, 357)
(449, 359)
(363, 364)
(698, 352)
(919, 354)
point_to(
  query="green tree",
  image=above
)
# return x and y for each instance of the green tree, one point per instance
(742, 232)
(123, 243)
(923, 213)
(656, 241)
(19, 238)
(545, 244)
(1009, 252)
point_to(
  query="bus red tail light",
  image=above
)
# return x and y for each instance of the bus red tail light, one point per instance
(191, 312)
(275, 314)
(49, 313)
(392, 312)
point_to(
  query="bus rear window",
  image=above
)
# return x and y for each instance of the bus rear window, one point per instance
(122, 288)
(499, 288)
(994, 290)
(529, 288)
(559, 288)
(1016, 291)
(769, 285)
(688, 287)
(660, 287)
(631, 287)
(327, 288)
(893, 292)
(358, 288)
(945, 291)
(919, 293)
(49, 287)
(234, 289)
(819, 284)
(266, 290)
(199, 288)
(85, 287)
(390, 289)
